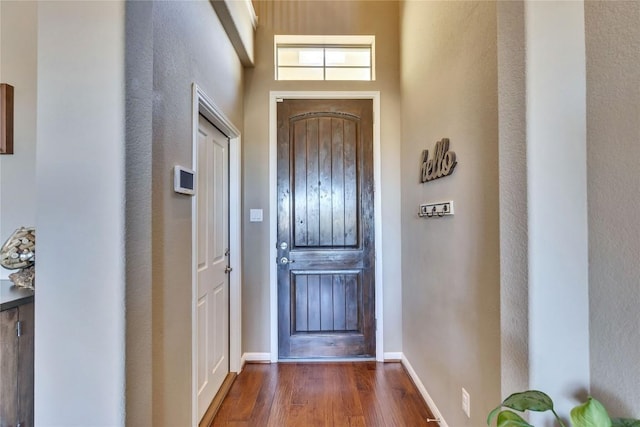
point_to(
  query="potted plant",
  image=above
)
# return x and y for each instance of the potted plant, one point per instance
(589, 414)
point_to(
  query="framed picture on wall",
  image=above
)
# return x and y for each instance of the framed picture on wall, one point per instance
(6, 119)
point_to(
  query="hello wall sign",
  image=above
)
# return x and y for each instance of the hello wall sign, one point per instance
(440, 165)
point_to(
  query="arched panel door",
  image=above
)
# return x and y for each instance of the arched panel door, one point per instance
(325, 231)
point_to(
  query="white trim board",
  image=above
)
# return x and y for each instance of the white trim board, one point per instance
(393, 356)
(255, 358)
(328, 360)
(202, 104)
(273, 208)
(423, 392)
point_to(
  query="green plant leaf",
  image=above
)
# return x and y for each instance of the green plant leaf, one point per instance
(624, 422)
(511, 419)
(590, 414)
(530, 400)
(493, 413)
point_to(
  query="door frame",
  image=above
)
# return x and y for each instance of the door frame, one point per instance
(273, 206)
(203, 105)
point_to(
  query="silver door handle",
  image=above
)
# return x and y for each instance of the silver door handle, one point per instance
(285, 260)
(228, 270)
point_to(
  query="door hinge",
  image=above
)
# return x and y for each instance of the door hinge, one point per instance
(19, 328)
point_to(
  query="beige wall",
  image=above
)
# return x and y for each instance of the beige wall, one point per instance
(454, 87)
(318, 17)
(451, 281)
(514, 286)
(558, 243)
(79, 309)
(18, 61)
(139, 395)
(613, 160)
(170, 46)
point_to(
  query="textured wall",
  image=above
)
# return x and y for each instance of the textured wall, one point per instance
(451, 280)
(19, 68)
(2, 274)
(318, 17)
(170, 46)
(557, 200)
(138, 211)
(79, 337)
(189, 46)
(613, 160)
(514, 290)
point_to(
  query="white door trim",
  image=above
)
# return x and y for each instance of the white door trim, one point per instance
(273, 208)
(202, 104)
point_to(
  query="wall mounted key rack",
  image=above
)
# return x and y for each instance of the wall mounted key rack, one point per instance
(436, 210)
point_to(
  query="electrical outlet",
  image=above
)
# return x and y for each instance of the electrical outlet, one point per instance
(466, 403)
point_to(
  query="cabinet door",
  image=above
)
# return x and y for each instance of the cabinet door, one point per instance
(25, 365)
(8, 368)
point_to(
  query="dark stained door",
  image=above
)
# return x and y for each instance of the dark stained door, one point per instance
(325, 229)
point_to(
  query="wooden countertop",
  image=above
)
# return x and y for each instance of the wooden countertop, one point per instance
(11, 296)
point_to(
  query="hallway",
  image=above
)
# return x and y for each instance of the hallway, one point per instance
(324, 394)
(540, 101)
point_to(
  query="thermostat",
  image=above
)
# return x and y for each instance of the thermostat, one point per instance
(183, 180)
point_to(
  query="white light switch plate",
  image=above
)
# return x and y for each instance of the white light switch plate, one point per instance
(466, 402)
(255, 215)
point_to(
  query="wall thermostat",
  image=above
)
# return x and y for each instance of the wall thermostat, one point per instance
(184, 180)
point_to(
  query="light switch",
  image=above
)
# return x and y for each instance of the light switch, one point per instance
(255, 215)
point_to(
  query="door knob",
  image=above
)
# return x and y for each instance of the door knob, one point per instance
(285, 260)
(228, 270)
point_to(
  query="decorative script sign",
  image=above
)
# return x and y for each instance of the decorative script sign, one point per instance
(442, 163)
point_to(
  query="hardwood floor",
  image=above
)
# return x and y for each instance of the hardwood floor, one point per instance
(324, 394)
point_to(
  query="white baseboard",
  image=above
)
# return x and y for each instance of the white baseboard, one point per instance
(423, 392)
(255, 357)
(393, 356)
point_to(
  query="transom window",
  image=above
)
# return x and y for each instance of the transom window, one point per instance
(324, 57)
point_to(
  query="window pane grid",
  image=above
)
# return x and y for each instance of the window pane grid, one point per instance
(324, 46)
(320, 66)
(292, 60)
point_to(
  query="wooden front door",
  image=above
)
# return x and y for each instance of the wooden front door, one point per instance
(325, 229)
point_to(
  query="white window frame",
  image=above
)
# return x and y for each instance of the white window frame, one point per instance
(323, 42)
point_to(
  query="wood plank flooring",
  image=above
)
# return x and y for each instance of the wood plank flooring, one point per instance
(324, 394)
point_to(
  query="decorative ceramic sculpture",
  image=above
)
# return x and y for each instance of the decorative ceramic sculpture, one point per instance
(19, 253)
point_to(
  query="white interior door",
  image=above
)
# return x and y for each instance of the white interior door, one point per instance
(212, 251)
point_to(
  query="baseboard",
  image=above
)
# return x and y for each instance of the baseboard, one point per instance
(423, 392)
(393, 356)
(255, 358)
(328, 360)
